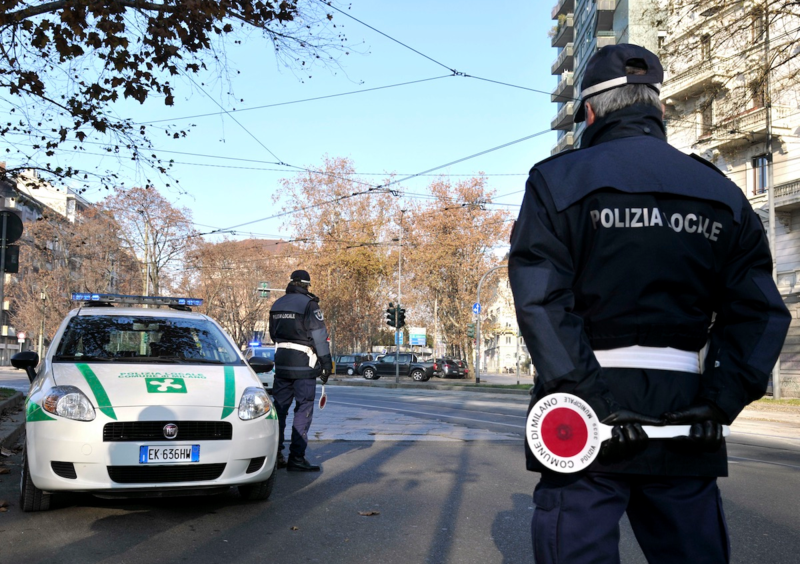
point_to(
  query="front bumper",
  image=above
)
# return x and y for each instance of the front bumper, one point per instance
(81, 444)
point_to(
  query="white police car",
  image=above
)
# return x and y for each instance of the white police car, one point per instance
(256, 350)
(144, 402)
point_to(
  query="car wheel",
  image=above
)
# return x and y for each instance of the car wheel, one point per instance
(259, 491)
(31, 498)
(350, 372)
(418, 376)
(369, 374)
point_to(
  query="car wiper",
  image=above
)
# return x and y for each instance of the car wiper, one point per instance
(82, 357)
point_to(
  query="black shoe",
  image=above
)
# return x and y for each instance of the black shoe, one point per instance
(281, 460)
(301, 465)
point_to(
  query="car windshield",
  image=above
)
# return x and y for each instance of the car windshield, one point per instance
(268, 354)
(156, 340)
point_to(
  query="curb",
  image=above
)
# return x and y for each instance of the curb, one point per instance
(12, 419)
(428, 386)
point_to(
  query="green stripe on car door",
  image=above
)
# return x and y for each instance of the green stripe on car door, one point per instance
(228, 404)
(100, 395)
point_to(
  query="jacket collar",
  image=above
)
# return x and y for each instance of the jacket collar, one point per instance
(293, 289)
(639, 119)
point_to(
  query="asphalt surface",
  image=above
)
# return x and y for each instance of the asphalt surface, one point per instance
(444, 472)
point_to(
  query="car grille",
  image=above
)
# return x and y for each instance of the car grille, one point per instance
(165, 474)
(122, 431)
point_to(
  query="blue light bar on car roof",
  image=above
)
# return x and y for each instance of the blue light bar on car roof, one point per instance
(136, 300)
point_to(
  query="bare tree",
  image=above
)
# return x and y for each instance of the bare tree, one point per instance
(65, 63)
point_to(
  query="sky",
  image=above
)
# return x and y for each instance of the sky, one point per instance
(224, 176)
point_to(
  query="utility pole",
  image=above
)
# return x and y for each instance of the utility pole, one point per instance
(517, 356)
(399, 292)
(776, 370)
(42, 295)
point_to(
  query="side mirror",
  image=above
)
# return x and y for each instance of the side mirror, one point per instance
(27, 361)
(260, 364)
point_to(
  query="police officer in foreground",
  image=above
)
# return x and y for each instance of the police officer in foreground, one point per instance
(629, 260)
(297, 327)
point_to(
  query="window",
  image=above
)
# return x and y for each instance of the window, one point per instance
(757, 26)
(705, 47)
(508, 340)
(706, 120)
(760, 174)
(757, 92)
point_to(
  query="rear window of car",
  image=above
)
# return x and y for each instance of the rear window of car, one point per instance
(149, 340)
(346, 359)
(267, 353)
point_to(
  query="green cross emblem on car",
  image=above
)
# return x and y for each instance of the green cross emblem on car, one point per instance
(165, 386)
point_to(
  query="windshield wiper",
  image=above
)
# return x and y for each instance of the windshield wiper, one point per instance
(82, 357)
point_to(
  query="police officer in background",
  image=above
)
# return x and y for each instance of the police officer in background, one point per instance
(297, 327)
(628, 260)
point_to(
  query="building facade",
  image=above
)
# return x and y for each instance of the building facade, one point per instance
(501, 343)
(726, 104)
(582, 27)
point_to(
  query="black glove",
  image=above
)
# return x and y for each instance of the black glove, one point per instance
(327, 368)
(705, 420)
(627, 436)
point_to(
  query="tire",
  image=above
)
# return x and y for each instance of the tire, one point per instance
(369, 373)
(350, 372)
(419, 376)
(31, 498)
(259, 491)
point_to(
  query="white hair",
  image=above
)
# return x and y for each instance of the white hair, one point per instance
(622, 97)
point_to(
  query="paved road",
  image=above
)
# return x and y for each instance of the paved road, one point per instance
(444, 470)
(14, 379)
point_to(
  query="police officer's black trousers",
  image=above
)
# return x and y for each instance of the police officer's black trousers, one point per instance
(302, 391)
(675, 519)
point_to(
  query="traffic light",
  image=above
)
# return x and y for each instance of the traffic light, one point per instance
(263, 290)
(391, 315)
(471, 330)
(401, 317)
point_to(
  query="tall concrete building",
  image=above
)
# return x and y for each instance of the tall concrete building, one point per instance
(582, 27)
(723, 103)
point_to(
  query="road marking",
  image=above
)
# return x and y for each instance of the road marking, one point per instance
(764, 462)
(521, 428)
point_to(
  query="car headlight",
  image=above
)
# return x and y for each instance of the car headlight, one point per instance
(254, 403)
(69, 402)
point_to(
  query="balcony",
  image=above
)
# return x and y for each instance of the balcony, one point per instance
(693, 81)
(564, 32)
(563, 120)
(565, 91)
(606, 38)
(564, 143)
(787, 196)
(564, 61)
(747, 128)
(605, 14)
(563, 8)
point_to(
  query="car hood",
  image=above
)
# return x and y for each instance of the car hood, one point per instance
(126, 385)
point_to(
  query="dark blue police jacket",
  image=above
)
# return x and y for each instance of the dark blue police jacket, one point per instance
(296, 318)
(631, 242)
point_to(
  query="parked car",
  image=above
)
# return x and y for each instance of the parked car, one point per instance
(267, 353)
(449, 368)
(349, 363)
(463, 367)
(408, 363)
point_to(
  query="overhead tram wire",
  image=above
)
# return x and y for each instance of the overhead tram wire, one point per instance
(265, 106)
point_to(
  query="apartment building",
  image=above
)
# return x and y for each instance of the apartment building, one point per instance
(502, 343)
(724, 103)
(581, 28)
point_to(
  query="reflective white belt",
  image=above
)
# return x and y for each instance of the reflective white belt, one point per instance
(312, 356)
(658, 358)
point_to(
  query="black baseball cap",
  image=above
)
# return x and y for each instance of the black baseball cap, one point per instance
(301, 276)
(606, 70)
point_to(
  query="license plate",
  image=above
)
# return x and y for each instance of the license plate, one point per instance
(169, 454)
